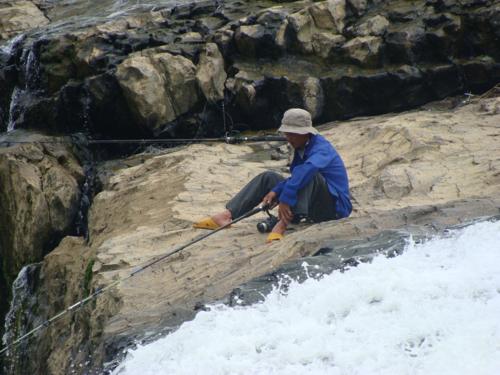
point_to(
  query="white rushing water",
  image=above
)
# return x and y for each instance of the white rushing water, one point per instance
(433, 310)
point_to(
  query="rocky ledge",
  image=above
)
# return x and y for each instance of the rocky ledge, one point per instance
(336, 58)
(201, 69)
(420, 171)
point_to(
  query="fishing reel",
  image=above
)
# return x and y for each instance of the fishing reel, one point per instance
(268, 223)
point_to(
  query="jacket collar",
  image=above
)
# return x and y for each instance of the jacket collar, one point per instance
(309, 145)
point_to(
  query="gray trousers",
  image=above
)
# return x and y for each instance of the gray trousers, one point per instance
(314, 201)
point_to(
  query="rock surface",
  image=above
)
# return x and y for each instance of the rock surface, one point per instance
(158, 88)
(210, 73)
(428, 168)
(19, 16)
(48, 76)
(39, 197)
(39, 201)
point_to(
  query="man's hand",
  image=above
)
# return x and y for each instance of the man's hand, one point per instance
(269, 199)
(285, 213)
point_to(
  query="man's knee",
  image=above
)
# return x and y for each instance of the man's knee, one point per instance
(270, 177)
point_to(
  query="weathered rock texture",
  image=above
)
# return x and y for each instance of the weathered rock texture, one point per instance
(365, 57)
(158, 88)
(39, 199)
(433, 167)
(19, 16)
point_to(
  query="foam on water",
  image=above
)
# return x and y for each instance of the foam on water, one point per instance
(433, 310)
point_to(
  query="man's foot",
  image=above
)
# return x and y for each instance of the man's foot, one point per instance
(279, 228)
(223, 218)
(215, 221)
(277, 233)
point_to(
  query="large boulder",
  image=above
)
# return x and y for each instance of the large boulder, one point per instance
(325, 44)
(158, 88)
(39, 200)
(364, 50)
(263, 37)
(357, 7)
(19, 16)
(301, 26)
(337, 9)
(317, 28)
(210, 73)
(374, 26)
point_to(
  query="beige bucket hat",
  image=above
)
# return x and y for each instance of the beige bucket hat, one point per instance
(297, 121)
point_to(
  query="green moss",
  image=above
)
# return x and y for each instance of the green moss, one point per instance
(87, 280)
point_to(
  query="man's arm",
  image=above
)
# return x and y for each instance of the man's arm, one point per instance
(279, 188)
(302, 175)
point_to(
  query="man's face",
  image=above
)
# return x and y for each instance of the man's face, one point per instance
(297, 141)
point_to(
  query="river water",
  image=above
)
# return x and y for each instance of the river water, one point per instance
(433, 310)
(62, 10)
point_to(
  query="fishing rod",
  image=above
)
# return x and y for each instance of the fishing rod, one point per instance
(149, 264)
(230, 139)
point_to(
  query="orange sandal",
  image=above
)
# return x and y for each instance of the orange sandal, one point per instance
(274, 237)
(206, 223)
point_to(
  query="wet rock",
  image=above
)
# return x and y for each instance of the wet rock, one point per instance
(313, 97)
(357, 7)
(301, 26)
(369, 92)
(332, 255)
(477, 72)
(445, 80)
(210, 73)
(322, 17)
(326, 44)
(481, 32)
(8, 80)
(19, 16)
(375, 26)
(108, 114)
(260, 39)
(224, 39)
(19, 316)
(404, 44)
(260, 99)
(337, 10)
(364, 51)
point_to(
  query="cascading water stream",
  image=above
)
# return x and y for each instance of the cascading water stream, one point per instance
(14, 104)
(432, 310)
(19, 316)
(24, 92)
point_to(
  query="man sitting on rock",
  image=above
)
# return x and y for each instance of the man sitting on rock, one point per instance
(318, 187)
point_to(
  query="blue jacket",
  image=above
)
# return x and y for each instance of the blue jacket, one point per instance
(319, 156)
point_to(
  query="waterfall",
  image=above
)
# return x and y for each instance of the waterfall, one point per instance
(18, 318)
(12, 44)
(13, 108)
(30, 78)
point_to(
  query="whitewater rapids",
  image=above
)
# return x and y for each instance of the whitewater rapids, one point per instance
(433, 310)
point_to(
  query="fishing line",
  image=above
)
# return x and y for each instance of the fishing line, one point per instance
(230, 138)
(149, 264)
